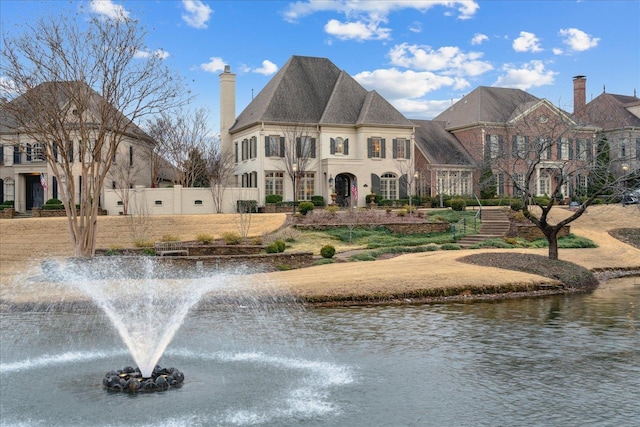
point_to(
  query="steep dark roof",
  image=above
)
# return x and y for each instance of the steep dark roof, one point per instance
(440, 146)
(487, 104)
(62, 95)
(314, 91)
(609, 111)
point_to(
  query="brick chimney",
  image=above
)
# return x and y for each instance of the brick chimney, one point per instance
(227, 106)
(579, 93)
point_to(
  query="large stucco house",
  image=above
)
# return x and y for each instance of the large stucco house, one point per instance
(23, 154)
(313, 123)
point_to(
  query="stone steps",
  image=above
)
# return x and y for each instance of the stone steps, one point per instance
(495, 224)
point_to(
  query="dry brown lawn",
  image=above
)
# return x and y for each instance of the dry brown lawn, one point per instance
(25, 240)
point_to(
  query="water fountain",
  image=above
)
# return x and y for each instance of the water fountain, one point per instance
(238, 361)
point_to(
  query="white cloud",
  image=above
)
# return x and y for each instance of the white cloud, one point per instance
(214, 65)
(197, 13)
(557, 51)
(531, 74)
(447, 59)
(394, 84)
(108, 9)
(159, 53)
(479, 38)
(527, 42)
(268, 68)
(364, 17)
(416, 27)
(422, 109)
(578, 40)
(8, 88)
(356, 30)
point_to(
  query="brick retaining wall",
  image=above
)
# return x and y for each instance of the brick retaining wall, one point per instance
(394, 227)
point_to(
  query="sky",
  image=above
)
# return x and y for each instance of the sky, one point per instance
(420, 55)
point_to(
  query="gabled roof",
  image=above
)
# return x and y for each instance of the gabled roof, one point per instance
(487, 105)
(440, 146)
(314, 91)
(610, 111)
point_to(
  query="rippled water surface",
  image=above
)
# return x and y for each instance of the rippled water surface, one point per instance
(557, 361)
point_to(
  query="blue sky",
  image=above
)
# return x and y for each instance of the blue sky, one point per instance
(419, 54)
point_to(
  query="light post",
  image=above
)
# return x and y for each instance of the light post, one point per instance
(294, 168)
(415, 177)
(625, 168)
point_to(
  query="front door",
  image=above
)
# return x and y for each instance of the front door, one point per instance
(34, 192)
(343, 190)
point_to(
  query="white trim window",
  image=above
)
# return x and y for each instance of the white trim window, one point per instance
(544, 183)
(306, 189)
(543, 148)
(563, 149)
(274, 183)
(518, 184)
(273, 146)
(37, 153)
(389, 186)
(454, 182)
(623, 148)
(376, 148)
(401, 148)
(582, 152)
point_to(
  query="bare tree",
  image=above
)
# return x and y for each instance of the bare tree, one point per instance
(78, 89)
(220, 164)
(182, 136)
(299, 151)
(548, 158)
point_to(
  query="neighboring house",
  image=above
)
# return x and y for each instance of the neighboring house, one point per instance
(23, 157)
(315, 116)
(495, 125)
(618, 116)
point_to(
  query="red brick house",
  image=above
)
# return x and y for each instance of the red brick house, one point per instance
(523, 139)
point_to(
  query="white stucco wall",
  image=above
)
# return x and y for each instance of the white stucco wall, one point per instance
(175, 201)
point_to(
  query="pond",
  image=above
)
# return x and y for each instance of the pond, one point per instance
(561, 360)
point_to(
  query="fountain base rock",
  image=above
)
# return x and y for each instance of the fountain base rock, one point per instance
(131, 380)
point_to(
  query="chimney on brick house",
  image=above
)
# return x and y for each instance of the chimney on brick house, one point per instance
(579, 93)
(227, 106)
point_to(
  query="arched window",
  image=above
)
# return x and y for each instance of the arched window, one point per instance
(339, 145)
(389, 186)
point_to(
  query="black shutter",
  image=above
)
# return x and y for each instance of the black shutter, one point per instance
(407, 149)
(369, 148)
(346, 147)
(282, 146)
(332, 146)
(375, 183)
(571, 149)
(559, 148)
(395, 148)
(298, 147)
(382, 148)
(313, 148)
(403, 186)
(267, 147)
